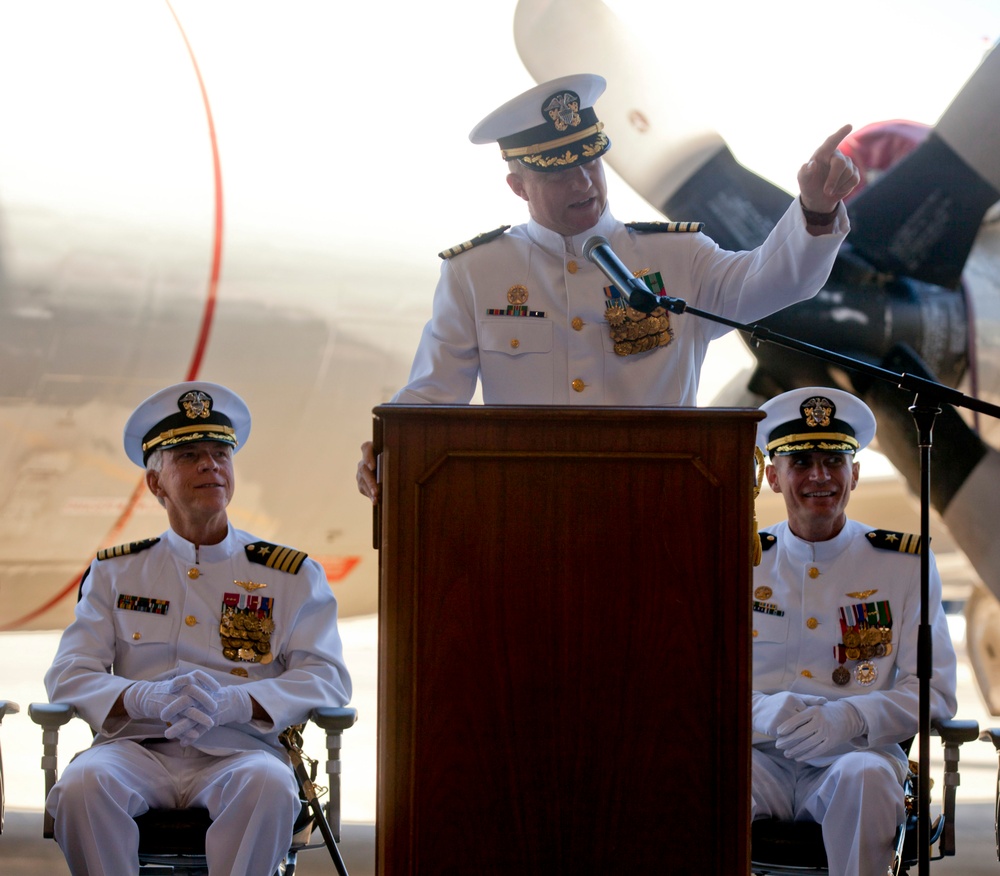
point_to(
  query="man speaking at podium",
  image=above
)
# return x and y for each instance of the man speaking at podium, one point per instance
(526, 313)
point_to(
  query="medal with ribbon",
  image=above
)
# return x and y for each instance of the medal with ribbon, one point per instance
(867, 634)
(245, 627)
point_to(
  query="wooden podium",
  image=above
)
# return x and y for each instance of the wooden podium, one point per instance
(564, 640)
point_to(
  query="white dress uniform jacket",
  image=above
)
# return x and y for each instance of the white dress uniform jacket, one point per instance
(155, 613)
(797, 629)
(565, 354)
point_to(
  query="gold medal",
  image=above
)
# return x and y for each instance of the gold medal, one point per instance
(517, 294)
(852, 639)
(865, 673)
(763, 592)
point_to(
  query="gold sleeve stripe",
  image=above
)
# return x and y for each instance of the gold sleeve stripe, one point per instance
(276, 556)
(900, 542)
(286, 560)
(485, 237)
(121, 550)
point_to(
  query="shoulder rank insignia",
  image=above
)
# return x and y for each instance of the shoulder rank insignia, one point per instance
(133, 547)
(901, 542)
(664, 227)
(485, 237)
(276, 556)
(767, 541)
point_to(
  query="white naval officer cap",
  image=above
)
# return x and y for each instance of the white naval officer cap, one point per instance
(186, 412)
(815, 418)
(550, 127)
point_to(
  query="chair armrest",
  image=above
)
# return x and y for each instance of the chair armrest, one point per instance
(6, 708)
(334, 717)
(953, 733)
(334, 720)
(991, 734)
(50, 716)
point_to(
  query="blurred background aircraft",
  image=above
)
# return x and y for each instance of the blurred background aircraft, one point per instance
(916, 288)
(254, 194)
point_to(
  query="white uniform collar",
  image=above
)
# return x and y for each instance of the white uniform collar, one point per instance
(206, 553)
(561, 244)
(822, 551)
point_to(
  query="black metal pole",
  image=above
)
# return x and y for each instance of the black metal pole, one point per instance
(923, 417)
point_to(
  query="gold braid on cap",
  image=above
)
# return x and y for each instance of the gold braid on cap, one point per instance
(812, 441)
(521, 151)
(755, 549)
(170, 436)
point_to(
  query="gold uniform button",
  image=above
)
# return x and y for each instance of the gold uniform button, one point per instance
(572, 267)
(136, 636)
(814, 572)
(577, 323)
(806, 673)
(812, 623)
(190, 620)
(193, 573)
(755, 634)
(515, 343)
(579, 385)
(240, 671)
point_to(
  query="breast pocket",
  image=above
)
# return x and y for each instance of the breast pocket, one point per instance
(145, 643)
(516, 336)
(769, 627)
(515, 360)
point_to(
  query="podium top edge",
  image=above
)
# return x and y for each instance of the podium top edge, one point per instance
(535, 412)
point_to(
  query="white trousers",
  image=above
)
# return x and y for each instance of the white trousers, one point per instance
(251, 796)
(858, 799)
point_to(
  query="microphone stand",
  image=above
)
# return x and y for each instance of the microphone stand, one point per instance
(929, 395)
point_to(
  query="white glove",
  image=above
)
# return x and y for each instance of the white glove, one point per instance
(235, 705)
(195, 709)
(770, 710)
(147, 699)
(818, 730)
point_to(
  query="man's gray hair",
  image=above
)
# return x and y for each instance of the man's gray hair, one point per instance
(155, 461)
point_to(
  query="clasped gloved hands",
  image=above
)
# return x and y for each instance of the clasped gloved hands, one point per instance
(820, 729)
(772, 710)
(190, 704)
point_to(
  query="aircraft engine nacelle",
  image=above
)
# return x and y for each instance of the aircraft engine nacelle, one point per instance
(863, 314)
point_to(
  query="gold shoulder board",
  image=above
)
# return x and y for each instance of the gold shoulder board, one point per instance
(767, 541)
(133, 547)
(485, 237)
(276, 556)
(901, 542)
(664, 227)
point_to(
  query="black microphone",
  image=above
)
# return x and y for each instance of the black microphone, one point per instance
(634, 291)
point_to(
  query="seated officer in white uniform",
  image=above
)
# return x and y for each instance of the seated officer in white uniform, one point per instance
(524, 312)
(836, 611)
(189, 654)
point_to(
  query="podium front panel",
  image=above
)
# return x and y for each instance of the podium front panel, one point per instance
(564, 650)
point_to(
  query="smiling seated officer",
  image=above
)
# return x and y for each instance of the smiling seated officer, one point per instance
(188, 655)
(524, 312)
(836, 612)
